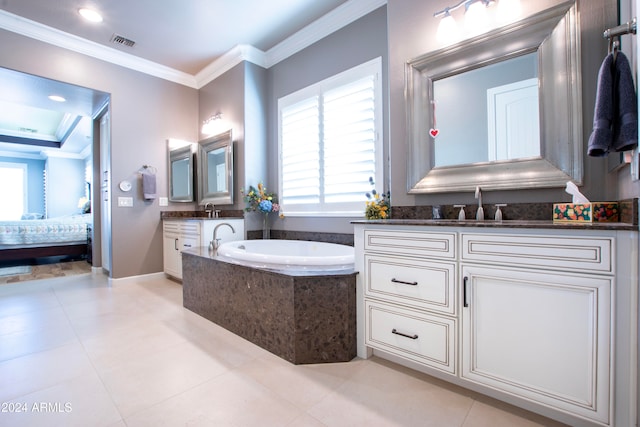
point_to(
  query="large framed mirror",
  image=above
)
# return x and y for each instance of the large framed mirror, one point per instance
(181, 174)
(501, 111)
(215, 169)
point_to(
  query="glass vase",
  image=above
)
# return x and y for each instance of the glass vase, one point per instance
(266, 231)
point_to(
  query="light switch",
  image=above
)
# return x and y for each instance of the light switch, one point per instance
(125, 202)
(163, 201)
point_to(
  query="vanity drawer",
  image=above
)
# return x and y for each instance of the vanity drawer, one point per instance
(182, 227)
(424, 284)
(428, 244)
(425, 339)
(566, 253)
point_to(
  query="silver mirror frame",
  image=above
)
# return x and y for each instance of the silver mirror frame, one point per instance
(223, 140)
(554, 34)
(177, 154)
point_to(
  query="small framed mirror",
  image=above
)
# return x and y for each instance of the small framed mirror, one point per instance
(181, 168)
(215, 170)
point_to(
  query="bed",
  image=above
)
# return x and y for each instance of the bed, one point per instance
(37, 238)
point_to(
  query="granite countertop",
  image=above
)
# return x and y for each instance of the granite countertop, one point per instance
(618, 226)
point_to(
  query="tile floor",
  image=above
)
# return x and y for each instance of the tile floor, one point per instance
(76, 351)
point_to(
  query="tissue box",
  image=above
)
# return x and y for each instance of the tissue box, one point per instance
(586, 212)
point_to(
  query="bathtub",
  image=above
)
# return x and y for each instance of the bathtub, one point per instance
(289, 254)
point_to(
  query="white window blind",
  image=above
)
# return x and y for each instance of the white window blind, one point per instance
(13, 191)
(330, 145)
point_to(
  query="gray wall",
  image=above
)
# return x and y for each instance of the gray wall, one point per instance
(361, 41)
(145, 112)
(412, 32)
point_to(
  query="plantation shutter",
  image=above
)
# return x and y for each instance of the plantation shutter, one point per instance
(329, 143)
(349, 141)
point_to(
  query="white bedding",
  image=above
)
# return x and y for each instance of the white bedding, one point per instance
(67, 229)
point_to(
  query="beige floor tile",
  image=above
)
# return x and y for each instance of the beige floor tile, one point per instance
(15, 302)
(302, 385)
(27, 374)
(143, 381)
(306, 420)
(138, 338)
(380, 394)
(229, 400)
(81, 402)
(33, 320)
(503, 415)
(26, 342)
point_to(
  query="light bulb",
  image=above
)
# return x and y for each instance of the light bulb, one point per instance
(508, 10)
(90, 15)
(475, 18)
(447, 30)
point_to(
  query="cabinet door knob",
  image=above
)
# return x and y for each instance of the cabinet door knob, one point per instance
(394, 280)
(413, 337)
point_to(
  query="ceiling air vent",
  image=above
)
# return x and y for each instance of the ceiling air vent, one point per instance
(117, 39)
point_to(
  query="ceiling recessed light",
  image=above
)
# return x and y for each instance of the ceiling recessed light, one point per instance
(90, 15)
(57, 98)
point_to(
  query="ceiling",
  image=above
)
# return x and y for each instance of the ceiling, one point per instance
(182, 35)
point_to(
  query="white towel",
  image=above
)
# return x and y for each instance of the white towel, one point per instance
(149, 186)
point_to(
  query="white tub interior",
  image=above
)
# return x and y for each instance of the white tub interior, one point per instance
(290, 254)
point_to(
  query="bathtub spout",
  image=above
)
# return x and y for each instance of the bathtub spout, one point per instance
(215, 243)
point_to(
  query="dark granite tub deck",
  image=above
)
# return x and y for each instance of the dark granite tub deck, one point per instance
(300, 318)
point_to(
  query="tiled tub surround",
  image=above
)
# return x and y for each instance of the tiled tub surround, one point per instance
(301, 317)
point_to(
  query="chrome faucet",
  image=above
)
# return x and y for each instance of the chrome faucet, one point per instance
(208, 208)
(480, 213)
(215, 243)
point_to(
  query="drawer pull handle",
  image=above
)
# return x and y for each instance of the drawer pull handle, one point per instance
(413, 337)
(394, 280)
(465, 303)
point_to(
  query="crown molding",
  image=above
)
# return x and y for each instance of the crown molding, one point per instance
(33, 155)
(338, 18)
(45, 154)
(35, 30)
(229, 60)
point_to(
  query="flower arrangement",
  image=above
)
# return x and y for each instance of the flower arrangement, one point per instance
(258, 200)
(378, 206)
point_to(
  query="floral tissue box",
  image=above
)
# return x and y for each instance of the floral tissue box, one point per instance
(586, 212)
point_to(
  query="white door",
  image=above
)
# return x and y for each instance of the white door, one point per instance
(541, 336)
(513, 120)
(105, 191)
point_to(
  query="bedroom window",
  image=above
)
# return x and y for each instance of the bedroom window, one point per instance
(13, 191)
(330, 143)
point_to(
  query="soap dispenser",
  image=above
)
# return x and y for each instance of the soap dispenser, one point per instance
(461, 214)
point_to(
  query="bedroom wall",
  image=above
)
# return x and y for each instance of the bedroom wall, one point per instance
(35, 182)
(65, 186)
(145, 112)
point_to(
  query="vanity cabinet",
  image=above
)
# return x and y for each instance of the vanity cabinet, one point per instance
(182, 234)
(541, 318)
(178, 236)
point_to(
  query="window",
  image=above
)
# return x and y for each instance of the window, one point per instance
(330, 143)
(13, 191)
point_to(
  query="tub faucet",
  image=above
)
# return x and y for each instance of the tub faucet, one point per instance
(480, 213)
(208, 208)
(215, 243)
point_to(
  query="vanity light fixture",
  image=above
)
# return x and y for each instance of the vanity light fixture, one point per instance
(90, 15)
(476, 19)
(208, 125)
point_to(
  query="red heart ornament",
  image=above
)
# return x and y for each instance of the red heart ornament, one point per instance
(434, 132)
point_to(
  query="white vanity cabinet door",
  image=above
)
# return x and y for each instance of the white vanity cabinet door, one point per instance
(170, 251)
(542, 336)
(412, 334)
